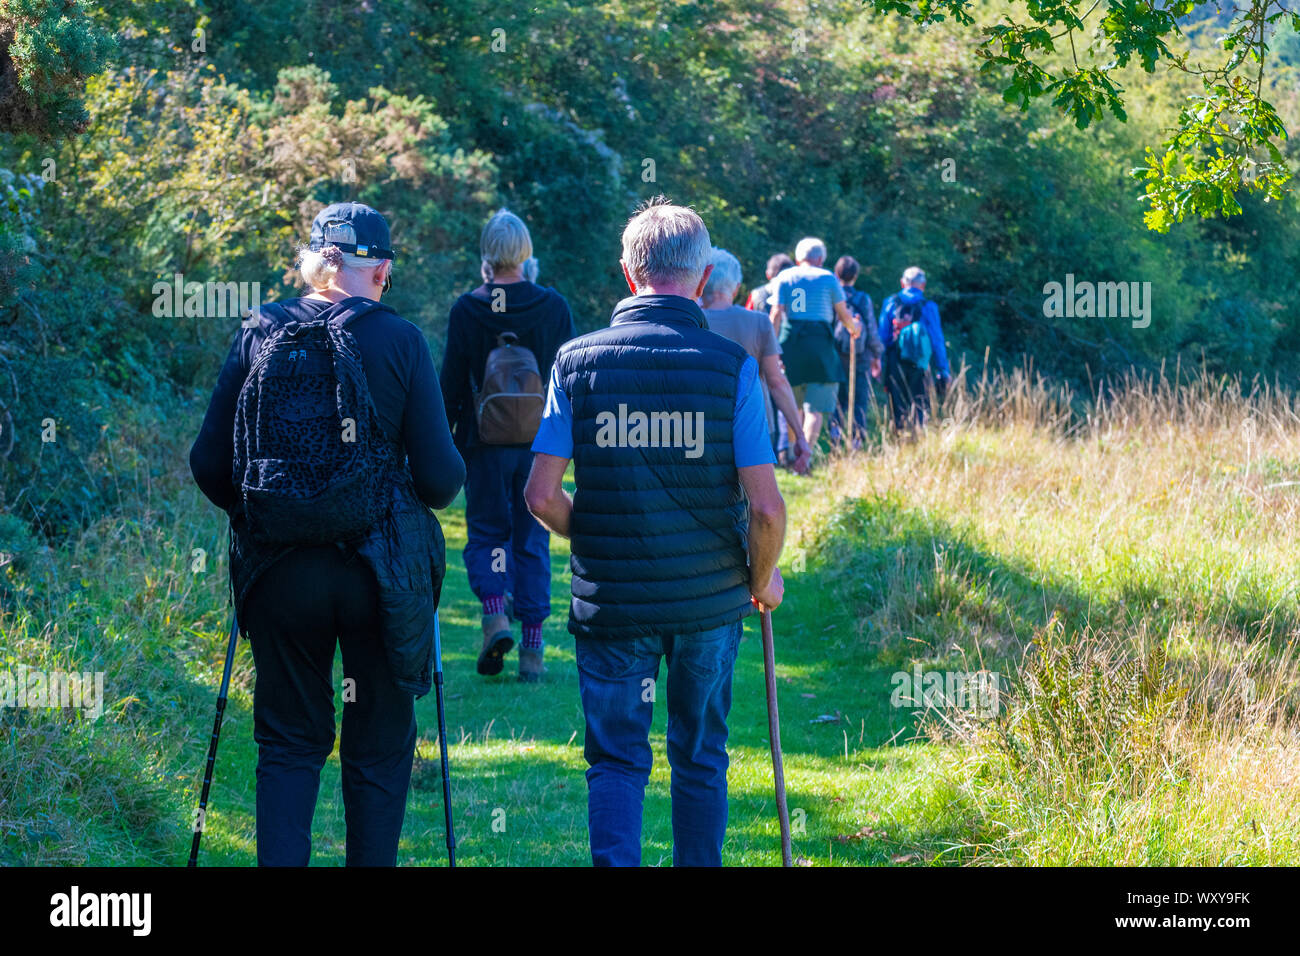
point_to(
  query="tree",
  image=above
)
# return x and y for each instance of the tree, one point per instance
(48, 49)
(1225, 140)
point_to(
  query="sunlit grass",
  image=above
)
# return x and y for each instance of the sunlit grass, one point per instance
(1164, 521)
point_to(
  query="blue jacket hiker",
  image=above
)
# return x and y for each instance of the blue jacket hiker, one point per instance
(912, 352)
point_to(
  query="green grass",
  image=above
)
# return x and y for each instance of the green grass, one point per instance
(1061, 557)
(519, 794)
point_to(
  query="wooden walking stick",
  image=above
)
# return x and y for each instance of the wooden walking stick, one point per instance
(774, 735)
(853, 386)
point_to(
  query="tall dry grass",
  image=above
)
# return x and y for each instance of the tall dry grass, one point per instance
(1128, 560)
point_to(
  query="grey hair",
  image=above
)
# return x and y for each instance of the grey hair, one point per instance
(532, 268)
(726, 275)
(319, 268)
(809, 249)
(913, 274)
(504, 244)
(666, 243)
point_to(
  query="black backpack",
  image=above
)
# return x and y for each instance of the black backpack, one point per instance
(312, 464)
(859, 304)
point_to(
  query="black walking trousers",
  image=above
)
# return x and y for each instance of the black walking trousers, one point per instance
(296, 612)
(905, 384)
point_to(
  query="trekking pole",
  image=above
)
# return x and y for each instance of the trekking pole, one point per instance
(442, 740)
(200, 817)
(774, 735)
(853, 385)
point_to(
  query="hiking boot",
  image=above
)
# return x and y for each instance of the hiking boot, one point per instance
(496, 644)
(530, 664)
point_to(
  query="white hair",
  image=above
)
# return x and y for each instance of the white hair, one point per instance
(913, 275)
(810, 250)
(318, 269)
(726, 275)
(666, 244)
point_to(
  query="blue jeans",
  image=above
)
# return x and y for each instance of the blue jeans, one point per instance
(506, 548)
(617, 680)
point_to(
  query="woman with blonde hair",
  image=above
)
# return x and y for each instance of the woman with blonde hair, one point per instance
(508, 553)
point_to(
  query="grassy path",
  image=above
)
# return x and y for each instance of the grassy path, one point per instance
(519, 795)
(1136, 545)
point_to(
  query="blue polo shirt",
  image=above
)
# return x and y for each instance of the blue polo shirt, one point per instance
(750, 442)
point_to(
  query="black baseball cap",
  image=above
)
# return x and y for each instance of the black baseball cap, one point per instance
(355, 228)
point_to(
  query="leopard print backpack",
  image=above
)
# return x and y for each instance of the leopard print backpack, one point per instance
(312, 463)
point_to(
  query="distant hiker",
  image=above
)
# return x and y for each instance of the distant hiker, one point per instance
(759, 300)
(868, 346)
(327, 413)
(913, 339)
(753, 331)
(760, 296)
(501, 341)
(676, 526)
(809, 300)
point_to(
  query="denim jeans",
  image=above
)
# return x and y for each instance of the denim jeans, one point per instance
(617, 680)
(499, 526)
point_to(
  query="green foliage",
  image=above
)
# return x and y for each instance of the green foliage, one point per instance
(48, 48)
(219, 130)
(1226, 138)
(1209, 159)
(185, 173)
(16, 242)
(1088, 715)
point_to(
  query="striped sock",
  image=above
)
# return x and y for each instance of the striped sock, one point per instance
(496, 604)
(532, 636)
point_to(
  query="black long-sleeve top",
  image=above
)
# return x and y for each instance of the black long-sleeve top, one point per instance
(403, 385)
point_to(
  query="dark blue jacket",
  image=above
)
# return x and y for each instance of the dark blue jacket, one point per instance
(658, 539)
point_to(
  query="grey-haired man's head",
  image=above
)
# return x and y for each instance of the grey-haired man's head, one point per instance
(666, 249)
(810, 250)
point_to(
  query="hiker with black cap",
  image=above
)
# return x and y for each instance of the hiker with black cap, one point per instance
(501, 341)
(326, 443)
